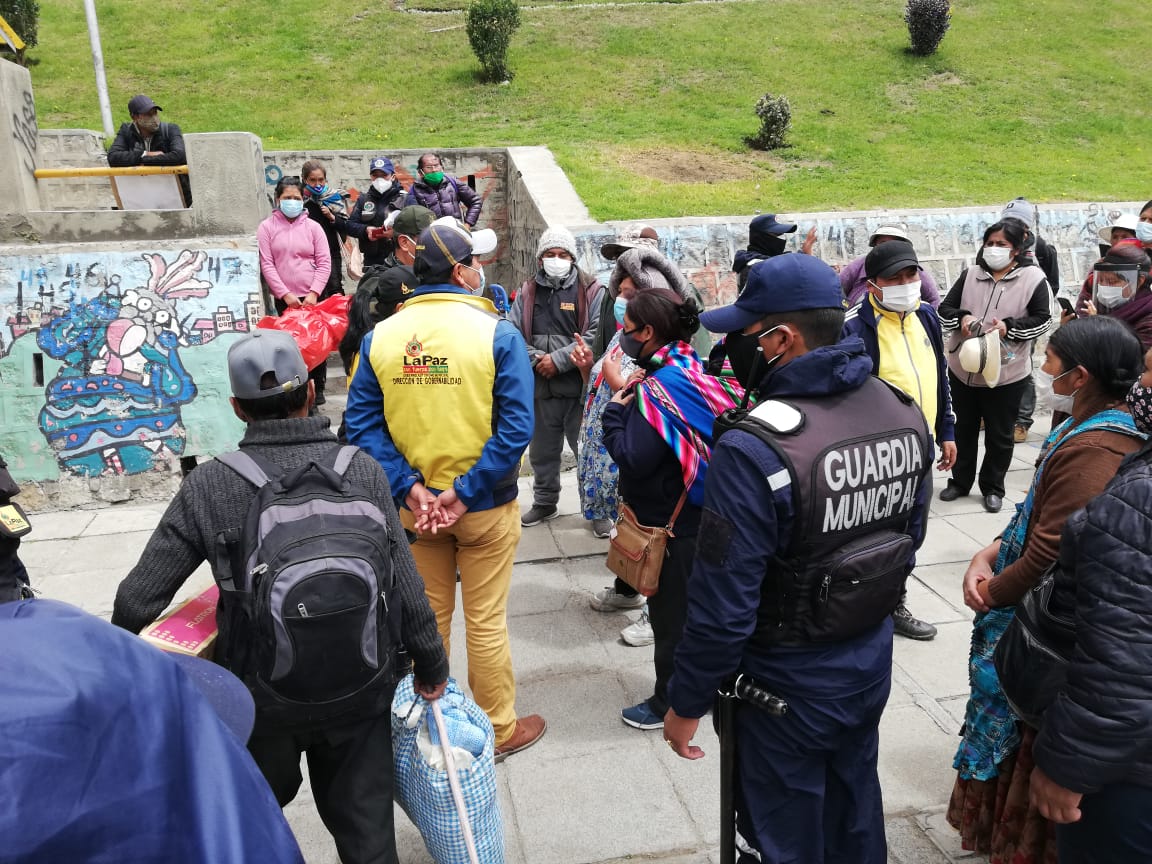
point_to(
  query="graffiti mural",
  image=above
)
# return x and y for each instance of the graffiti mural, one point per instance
(118, 325)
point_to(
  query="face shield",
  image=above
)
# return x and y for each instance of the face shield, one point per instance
(1113, 285)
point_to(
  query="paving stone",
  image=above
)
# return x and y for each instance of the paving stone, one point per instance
(629, 807)
(944, 837)
(928, 606)
(57, 525)
(947, 544)
(908, 845)
(575, 540)
(955, 706)
(983, 527)
(940, 667)
(946, 581)
(537, 544)
(915, 760)
(119, 520)
(538, 588)
(583, 713)
(545, 645)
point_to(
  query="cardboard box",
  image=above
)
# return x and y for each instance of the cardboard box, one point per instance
(190, 628)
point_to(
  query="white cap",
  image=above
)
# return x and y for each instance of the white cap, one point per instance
(1127, 221)
(888, 231)
(483, 241)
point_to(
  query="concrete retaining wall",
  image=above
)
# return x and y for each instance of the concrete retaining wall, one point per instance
(946, 240)
(485, 170)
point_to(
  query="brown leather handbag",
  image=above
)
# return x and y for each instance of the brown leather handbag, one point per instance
(636, 552)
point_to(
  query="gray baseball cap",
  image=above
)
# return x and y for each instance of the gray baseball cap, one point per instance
(260, 352)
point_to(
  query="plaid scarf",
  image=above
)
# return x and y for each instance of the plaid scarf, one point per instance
(681, 401)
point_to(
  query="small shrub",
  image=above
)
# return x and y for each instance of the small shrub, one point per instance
(928, 21)
(490, 26)
(23, 17)
(775, 120)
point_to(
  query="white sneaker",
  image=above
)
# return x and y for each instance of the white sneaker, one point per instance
(639, 633)
(609, 600)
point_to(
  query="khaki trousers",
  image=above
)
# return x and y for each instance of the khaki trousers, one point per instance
(482, 546)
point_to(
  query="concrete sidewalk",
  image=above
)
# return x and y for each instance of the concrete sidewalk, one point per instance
(594, 790)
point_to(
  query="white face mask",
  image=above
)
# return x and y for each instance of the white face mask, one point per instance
(556, 268)
(1048, 397)
(997, 257)
(381, 185)
(1111, 296)
(900, 298)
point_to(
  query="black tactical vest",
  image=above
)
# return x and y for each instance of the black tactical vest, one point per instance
(856, 461)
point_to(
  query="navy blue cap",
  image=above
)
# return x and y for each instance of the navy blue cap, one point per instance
(766, 223)
(142, 105)
(785, 283)
(381, 163)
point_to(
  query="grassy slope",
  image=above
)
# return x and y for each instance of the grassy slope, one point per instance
(1047, 98)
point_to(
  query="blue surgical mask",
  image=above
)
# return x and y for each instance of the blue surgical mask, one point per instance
(1144, 232)
(291, 207)
(618, 310)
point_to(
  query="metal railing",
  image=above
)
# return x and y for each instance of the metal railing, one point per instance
(136, 171)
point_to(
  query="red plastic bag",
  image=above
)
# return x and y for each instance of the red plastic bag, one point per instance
(317, 329)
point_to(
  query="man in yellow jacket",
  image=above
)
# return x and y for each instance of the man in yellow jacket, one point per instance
(444, 402)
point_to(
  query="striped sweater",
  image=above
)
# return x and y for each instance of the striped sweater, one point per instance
(1021, 299)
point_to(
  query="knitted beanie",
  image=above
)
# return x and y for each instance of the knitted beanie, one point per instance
(556, 237)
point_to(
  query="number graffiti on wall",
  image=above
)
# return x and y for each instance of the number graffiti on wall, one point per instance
(119, 324)
(26, 131)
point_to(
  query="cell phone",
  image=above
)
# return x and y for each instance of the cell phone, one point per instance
(1065, 304)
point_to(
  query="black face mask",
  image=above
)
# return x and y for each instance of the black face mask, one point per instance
(630, 345)
(749, 365)
(743, 352)
(768, 244)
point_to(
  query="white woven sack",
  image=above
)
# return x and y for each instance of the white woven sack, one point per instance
(424, 793)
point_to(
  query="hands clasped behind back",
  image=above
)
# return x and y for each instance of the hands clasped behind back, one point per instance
(432, 512)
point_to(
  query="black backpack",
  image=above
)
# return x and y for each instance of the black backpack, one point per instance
(309, 617)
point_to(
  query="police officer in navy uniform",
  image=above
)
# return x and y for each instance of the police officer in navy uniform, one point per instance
(814, 501)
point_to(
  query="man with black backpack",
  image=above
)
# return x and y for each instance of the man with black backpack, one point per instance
(317, 588)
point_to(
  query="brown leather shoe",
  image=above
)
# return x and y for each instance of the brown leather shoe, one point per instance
(528, 731)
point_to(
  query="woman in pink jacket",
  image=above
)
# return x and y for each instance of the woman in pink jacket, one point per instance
(294, 258)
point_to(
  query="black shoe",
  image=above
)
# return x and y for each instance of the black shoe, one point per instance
(911, 627)
(993, 503)
(320, 400)
(951, 493)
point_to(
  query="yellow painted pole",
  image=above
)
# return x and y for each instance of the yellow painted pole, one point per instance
(139, 171)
